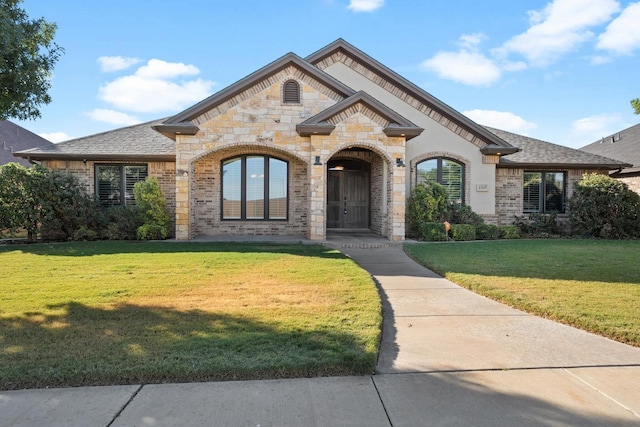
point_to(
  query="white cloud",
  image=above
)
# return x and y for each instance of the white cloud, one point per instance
(558, 28)
(470, 68)
(590, 129)
(365, 5)
(112, 117)
(116, 63)
(158, 69)
(622, 36)
(55, 136)
(502, 120)
(151, 89)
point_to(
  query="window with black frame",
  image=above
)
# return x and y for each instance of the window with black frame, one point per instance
(446, 172)
(544, 192)
(115, 182)
(254, 187)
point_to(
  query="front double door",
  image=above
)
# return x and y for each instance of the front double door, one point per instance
(347, 199)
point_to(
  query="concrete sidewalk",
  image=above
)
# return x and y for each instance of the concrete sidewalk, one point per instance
(448, 357)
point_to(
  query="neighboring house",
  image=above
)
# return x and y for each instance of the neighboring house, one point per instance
(623, 146)
(335, 140)
(14, 138)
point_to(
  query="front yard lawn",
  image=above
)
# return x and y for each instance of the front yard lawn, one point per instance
(94, 313)
(590, 284)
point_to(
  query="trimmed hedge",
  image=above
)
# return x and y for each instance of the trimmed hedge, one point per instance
(461, 232)
(509, 232)
(487, 232)
(433, 231)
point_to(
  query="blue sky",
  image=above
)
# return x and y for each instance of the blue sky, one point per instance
(558, 70)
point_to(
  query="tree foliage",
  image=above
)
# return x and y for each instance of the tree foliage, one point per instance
(635, 103)
(43, 202)
(604, 207)
(427, 203)
(152, 204)
(27, 57)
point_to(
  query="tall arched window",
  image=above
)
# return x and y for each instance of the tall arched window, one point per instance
(254, 188)
(291, 92)
(447, 172)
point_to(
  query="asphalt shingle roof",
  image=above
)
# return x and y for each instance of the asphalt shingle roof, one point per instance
(623, 146)
(14, 138)
(132, 141)
(535, 152)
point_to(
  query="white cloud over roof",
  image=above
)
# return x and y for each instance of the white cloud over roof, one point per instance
(116, 63)
(558, 28)
(155, 88)
(502, 120)
(112, 117)
(365, 5)
(622, 36)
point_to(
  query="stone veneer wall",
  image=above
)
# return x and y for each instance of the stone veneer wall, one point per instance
(257, 121)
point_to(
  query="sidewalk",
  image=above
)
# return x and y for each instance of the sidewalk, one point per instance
(448, 357)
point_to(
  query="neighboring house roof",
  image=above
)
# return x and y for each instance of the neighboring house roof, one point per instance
(138, 142)
(14, 138)
(623, 146)
(537, 153)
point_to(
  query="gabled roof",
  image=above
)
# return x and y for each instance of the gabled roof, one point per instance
(623, 146)
(14, 138)
(136, 143)
(398, 125)
(288, 60)
(416, 92)
(536, 153)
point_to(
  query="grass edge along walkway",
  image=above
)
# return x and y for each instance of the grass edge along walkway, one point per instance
(593, 285)
(100, 313)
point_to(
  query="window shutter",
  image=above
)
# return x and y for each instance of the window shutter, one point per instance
(531, 194)
(291, 92)
(133, 174)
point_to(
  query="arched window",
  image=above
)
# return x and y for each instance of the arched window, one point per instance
(291, 92)
(447, 172)
(254, 188)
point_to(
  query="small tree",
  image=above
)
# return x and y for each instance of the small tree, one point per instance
(19, 207)
(427, 203)
(635, 104)
(151, 202)
(27, 56)
(604, 207)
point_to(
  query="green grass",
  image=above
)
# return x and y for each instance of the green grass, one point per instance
(128, 313)
(590, 284)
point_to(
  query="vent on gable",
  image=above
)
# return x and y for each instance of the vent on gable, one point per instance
(291, 92)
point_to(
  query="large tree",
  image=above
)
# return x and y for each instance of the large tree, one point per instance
(27, 56)
(635, 103)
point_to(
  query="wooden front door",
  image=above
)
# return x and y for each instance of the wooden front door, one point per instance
(347, 199)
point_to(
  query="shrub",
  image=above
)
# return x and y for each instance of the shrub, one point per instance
(487, 232)
(463, 214)
(427, 203)
(152, 205)
(538, 225)
(461, 232)
(433, 231)
(604, 207)
(151, 232)
(121, 222)
(509, 232)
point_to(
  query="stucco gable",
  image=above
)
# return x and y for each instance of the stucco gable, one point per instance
(384, 77)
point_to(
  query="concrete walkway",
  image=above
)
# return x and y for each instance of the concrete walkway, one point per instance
(448, 358)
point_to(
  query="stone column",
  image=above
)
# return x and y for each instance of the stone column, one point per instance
(317, 197)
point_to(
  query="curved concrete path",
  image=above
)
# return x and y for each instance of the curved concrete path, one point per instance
(448, 357)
